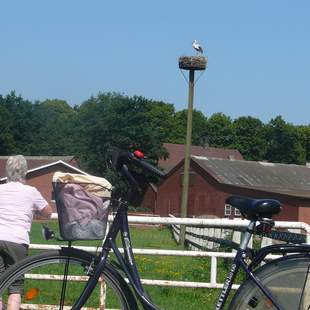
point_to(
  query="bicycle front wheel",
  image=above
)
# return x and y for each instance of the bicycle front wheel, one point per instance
(42, 276)
(288, 280)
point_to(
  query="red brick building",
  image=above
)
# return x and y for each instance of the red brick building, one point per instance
(41, 170)
(216, 175)
(176, 155)
(212, 180)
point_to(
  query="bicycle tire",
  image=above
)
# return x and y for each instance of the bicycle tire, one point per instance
(117, 295)
(287, 278)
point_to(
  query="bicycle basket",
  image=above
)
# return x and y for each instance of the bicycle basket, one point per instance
(82, 204)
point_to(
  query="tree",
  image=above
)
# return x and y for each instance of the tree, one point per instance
(6, 137)
(21, 122)
(283, 145)
(249, 137)
(178, 135)
(161, 116)
(112, 119)
(219, 131)
(304, 138)
(54, 128)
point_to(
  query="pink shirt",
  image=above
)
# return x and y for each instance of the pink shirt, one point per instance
(17, 204)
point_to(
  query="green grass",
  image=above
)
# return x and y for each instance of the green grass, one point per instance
(163, 268)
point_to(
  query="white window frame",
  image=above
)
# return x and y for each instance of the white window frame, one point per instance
(227, 210)
(237, 212)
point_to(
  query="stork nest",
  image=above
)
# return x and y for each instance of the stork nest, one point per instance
(193, 62)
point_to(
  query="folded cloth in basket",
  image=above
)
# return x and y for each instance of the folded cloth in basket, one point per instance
(81, 205)
(81, 215)
(96, 185)
(94, 229)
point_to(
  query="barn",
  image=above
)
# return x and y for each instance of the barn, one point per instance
(212, 180)
(175, 157)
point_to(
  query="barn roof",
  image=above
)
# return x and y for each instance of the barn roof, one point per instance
(292, 180)
(40, 162)
(176, 154)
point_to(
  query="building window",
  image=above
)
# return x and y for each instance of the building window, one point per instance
(237, 212)
(227, 210)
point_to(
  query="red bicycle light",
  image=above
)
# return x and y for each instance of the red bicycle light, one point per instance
(138, 154)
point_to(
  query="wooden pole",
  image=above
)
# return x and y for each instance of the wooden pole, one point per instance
(191, 64)
(187, 153)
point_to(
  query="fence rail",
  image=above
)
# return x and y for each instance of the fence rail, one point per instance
(211, 223)
(207, 223)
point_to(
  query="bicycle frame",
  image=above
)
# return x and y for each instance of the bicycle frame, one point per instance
(128, 264)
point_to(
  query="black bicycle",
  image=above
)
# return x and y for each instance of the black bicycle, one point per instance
(281, 284)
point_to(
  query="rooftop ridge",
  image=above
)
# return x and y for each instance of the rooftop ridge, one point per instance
(40, 157)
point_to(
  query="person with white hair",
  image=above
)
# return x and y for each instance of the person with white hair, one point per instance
(18, 203)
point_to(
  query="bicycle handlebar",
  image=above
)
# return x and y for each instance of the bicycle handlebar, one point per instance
(146, 166)
(120, 158)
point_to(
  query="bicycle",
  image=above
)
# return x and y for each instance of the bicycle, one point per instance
(282, 284)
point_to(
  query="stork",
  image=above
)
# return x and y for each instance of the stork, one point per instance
(197, 47)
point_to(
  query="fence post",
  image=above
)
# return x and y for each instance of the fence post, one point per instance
(103, 293)
(213, 275)
(236, 237)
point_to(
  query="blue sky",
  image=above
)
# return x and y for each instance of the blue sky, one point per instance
(258, 53)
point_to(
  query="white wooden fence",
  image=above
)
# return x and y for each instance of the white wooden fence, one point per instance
(210, 224)
(205, 238)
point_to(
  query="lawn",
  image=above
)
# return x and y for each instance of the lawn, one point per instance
(163, 268)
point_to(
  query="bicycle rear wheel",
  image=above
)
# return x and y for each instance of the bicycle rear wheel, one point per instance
(43, 275)
(287, 278)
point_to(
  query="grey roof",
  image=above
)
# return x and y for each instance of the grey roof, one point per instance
(292, 180)
(176, 154)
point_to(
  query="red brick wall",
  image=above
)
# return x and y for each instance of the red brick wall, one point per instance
(304, 213)
(149, 200)
(168, 196)
(203, 197)
(289, 205)
(207, 197)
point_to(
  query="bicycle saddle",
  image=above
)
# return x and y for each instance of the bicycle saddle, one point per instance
(255, 208)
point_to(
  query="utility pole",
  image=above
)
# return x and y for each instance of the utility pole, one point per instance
(191, 64)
